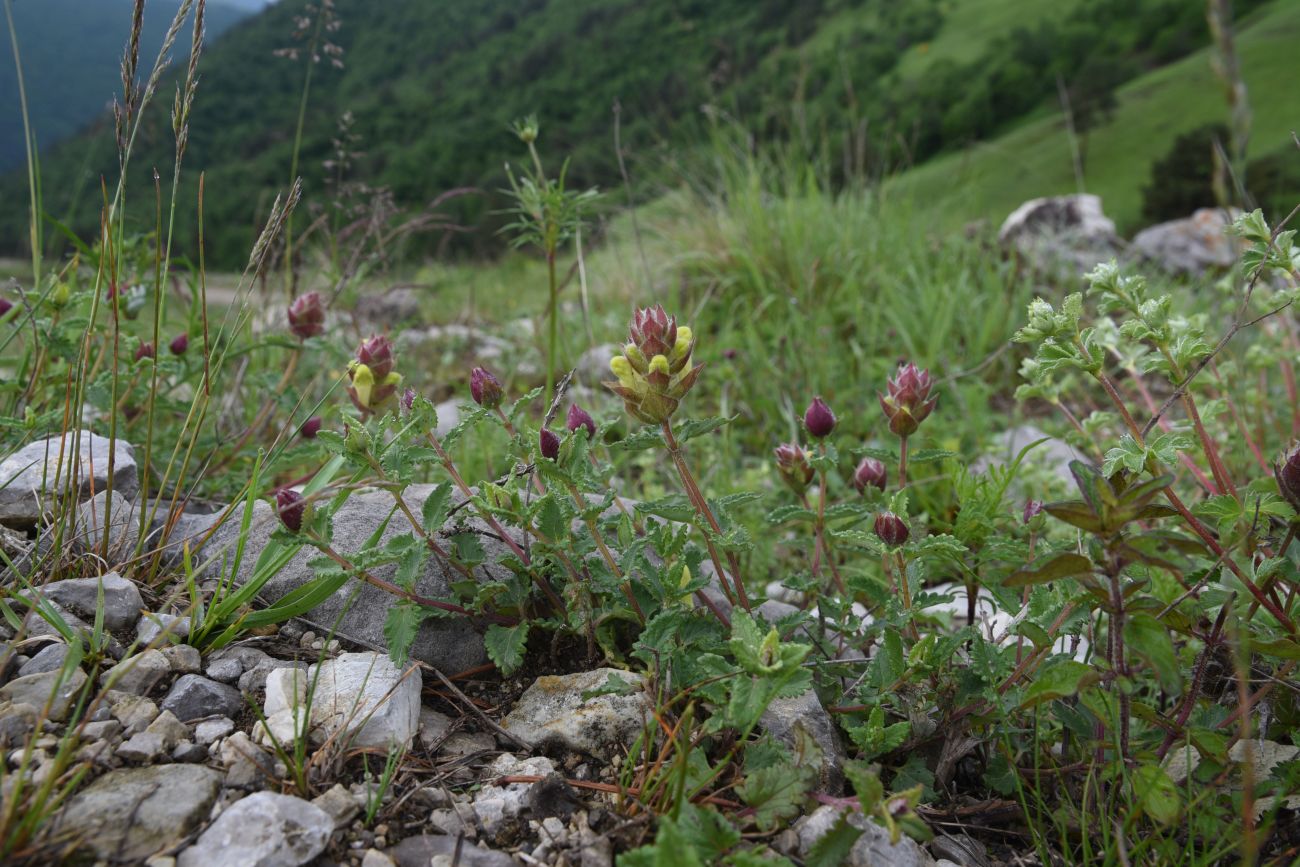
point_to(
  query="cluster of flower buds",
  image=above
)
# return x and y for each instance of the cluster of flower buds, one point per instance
(1033, 508)
(579, 419)
(180, 344)
(485, 388)
(819, 419)
(654, 371)
(5, 306)
(307, 316)
(792, 463)
(291, 506)
(870, 473)
(1287, 473)
(891, 530)
(310, 428)
(143, 351)
(908, 401)
(373, 380)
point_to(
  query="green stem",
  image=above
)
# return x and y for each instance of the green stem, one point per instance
(552, 326)
(902, 463)
(297, 147)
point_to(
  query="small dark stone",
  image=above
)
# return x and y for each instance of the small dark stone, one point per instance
(193, 697)
(552, 797)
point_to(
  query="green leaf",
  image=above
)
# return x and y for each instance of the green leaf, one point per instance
(1128, 455)
(1156, 793)
(833, 848)
(792, 512)
(1149, 639)
(922, 456)
(469, 550)
(505, 646)
(776, 793)
(1065, 565)
(400, 628)
(696, 427)
(1057, 679)
(436, 508)
(647, 438)
(551, 520)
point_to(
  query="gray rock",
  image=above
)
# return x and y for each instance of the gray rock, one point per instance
(137, 674)
(157, 627)
(131, 814)
(964, 851)
(498, 808)
(1190, 246)
(142, 747)
(394, 307)
(245, 762)
(422, 850)
(1066, 235)
(48, 659)
(552, 711)
(362, 699)
(360, 610)
(122, 601)
(193, 697)
(169, 728)
(134, 712)
(17, 721)
(121, 524)
(190, 753)
(50, 689)
(225, 670)
(785, 717)
(375, 858)
(34, 478)
(593, 365)
(262, 830)
(434, 727)
(872, 849)
(182, 658)
(209, 731)
(339, 803)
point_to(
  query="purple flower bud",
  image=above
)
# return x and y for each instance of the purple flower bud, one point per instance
(908, 401)
(792, 464)
(291, 507)
(180, 343)
(891, 529)
(550, 444)
(819, 419)
(144, 350)
(870, 473)
(1287, 473)
(376, 353)
(310, 428)
(407, 403)
(485, 388)
(580, 418)
(307, 316)
(5, 306)
(1032, 510)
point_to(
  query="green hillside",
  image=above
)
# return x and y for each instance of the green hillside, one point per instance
(71, 51)
(991, 178)
(431, 87)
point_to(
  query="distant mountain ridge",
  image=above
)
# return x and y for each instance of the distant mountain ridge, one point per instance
(432, 86)
(71, 50)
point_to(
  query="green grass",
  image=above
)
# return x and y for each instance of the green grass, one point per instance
(988, 180)
(970, 26)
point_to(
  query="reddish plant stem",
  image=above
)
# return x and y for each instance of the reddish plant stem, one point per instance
(702, 506)
(492, 522)
(390, 587)
(1192, 521)
(1198, 677)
